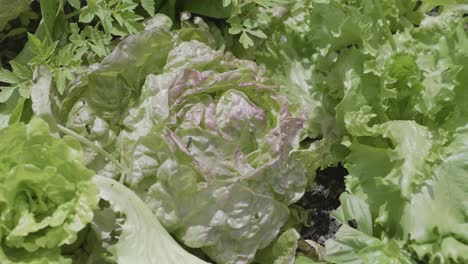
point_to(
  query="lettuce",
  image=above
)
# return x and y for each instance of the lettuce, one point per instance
(215, 127)
(210, 146)
(432, 213)
(383, 85)
(410, 126)
(428, 226)
(203, 137)
(46, 194)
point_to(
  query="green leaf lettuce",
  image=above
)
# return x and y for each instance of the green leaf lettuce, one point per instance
(46, 194)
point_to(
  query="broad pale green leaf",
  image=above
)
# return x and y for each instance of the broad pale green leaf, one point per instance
(143, 238)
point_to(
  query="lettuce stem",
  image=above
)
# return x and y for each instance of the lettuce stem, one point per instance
(96, 148)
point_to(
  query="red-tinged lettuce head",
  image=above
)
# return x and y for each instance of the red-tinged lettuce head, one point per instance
(211, 146)
(209, 142)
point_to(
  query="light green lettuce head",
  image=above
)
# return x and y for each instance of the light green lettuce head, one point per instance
(46, 194)
(403, 115)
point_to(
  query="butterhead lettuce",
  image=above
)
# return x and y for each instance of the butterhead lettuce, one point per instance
(209, 143)
(206, 139)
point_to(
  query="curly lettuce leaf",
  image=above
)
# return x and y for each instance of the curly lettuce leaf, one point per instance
(432, 213)
(429, 225)
(382, 85)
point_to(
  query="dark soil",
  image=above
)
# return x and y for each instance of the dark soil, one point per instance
(323, 199)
